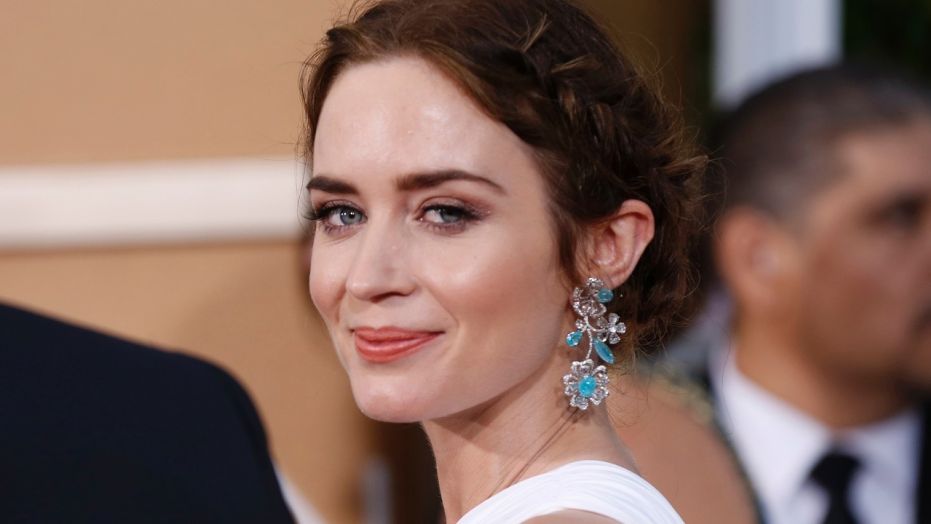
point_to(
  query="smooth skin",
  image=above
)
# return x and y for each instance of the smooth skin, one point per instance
(433, 217)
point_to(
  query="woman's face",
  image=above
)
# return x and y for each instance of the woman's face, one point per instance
(434, 261)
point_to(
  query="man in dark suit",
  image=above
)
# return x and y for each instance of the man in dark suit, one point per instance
(97, 429)
(824, 248)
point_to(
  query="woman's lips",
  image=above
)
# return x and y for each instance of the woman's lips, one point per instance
(389, 343)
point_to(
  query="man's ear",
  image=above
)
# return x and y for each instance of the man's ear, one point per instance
(753, 255)
(616, 244)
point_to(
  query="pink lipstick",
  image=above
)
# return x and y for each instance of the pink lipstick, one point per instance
(387, 344)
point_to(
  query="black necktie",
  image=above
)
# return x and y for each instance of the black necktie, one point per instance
(833, 473)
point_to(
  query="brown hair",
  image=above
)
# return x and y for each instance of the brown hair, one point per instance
(546, 70)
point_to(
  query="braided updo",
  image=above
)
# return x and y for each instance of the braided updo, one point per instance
(546, 70)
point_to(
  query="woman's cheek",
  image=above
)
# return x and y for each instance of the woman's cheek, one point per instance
(325, 282)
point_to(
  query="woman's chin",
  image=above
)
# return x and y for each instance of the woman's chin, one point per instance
(392, 416)
(390, 406)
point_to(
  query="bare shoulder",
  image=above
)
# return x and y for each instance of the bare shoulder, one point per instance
(572, 517)
(671, 434)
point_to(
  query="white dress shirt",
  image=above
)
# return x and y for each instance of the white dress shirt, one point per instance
(779, 445)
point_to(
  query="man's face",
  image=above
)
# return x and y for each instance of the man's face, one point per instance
(864, 281)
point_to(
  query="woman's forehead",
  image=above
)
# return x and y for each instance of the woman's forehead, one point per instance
(403, 115)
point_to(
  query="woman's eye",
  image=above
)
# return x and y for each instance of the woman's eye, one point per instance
(341, 216)
(445, 215)
(346, 217)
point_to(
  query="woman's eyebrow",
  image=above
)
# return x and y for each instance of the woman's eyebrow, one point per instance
(331, 185)
(430, 179)
(409, 182)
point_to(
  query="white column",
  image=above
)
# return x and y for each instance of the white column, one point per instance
(758, 41)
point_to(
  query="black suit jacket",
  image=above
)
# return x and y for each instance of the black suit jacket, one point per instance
(97, 429)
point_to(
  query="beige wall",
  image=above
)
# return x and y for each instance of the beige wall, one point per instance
(102, 81)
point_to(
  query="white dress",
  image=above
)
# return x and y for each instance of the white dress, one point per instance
(587, 485)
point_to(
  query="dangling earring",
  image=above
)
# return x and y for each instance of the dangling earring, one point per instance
(587, 383)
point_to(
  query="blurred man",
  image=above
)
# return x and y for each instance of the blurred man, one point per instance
(97, 429)
(825, 249)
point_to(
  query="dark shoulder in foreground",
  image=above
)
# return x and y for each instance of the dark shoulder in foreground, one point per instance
(100, 429)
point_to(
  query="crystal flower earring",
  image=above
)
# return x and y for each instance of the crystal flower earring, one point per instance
(587, 383)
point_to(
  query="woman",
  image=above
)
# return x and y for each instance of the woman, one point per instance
(501, 213)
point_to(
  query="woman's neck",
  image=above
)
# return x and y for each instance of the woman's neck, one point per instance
(526, 431)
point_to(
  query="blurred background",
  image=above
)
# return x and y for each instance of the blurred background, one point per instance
(149, 184)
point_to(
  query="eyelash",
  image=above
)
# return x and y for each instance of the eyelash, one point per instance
(320, 215)
(467, 214)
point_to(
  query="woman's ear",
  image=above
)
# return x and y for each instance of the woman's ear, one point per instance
(617, 243)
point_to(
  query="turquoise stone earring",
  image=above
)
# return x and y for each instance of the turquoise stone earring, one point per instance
(587, 383)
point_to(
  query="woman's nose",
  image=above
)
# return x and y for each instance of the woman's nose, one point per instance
(379, 267)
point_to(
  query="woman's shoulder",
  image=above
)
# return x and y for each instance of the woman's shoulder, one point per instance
(594, 487)
(668, 425)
